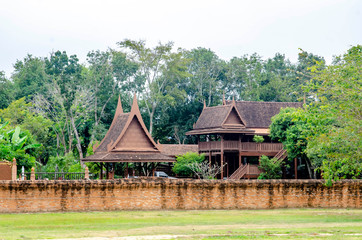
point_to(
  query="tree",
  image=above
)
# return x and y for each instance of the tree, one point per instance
(19, 113)
(328, 130)
(159, 69)
(338, 91)
(6, 91)
(205, 69)
(67, 101)
(108, 73)
(29, 77)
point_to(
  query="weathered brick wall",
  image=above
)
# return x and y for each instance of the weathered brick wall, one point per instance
(148, 194)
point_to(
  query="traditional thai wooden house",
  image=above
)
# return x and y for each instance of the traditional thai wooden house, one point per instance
(225, 135)
(128, 140)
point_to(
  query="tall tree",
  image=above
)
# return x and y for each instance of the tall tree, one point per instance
(67, 101)
(109, 72)
(6, 91)
(205, 80)
(29, 77)
(159, 68)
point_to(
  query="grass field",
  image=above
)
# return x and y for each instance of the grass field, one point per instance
(208, 224)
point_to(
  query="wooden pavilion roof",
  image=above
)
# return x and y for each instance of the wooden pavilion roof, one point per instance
(128, 140)
(238, 117)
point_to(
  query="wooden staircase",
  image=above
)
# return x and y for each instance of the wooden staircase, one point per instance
(281, 155)
(240, 172)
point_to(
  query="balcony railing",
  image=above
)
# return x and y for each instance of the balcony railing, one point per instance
(240, 146)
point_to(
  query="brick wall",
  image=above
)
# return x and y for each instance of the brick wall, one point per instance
(148, 194)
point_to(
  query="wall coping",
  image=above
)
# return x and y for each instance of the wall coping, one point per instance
(161, 181)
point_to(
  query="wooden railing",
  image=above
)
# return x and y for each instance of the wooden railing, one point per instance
(241, 146)
(268, 147)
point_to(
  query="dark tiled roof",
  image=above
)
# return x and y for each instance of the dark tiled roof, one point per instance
(255, 114)
(178, 149)
(128, 157)
(114, 131)
(259, 114)
(212, 117)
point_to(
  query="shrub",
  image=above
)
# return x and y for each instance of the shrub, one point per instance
(181, 167)
(258, 139)
(271, 168)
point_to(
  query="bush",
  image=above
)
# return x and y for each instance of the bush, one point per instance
(258, 139)
(272, 168)
(181, 167)
(66, 163)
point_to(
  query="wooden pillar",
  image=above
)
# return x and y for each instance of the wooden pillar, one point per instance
(295, 168)
(227, 169)
(239, 159)
(107, 171)
(126, 171)
(101, 173)
(222, 156)
(222, 165)
(209, 159)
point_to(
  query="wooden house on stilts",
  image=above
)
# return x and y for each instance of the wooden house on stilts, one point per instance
(225, 135)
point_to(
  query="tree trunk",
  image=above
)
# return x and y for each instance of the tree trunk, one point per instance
(79, 145)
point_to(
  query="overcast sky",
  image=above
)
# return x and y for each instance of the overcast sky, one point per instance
(229, 27)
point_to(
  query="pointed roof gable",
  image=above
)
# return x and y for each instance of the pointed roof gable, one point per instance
(128, 140)
(135, 135)
(233, 119)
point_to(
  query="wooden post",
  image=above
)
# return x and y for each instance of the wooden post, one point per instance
(86, 173)
(32, 174)
(227, 168)
(295, 168)
(101, 173)
(13, 170)
(239, 159)
(209, 159)
(222, 156)
(222, 165)
(107, 171)
(126, 175)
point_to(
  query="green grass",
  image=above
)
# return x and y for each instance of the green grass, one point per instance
(208, 224)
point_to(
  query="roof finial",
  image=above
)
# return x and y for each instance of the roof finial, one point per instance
(135, 104)
(119, 108)
(204, 104)
(223, 98)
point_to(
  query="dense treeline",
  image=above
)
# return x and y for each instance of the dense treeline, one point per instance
(67, 106)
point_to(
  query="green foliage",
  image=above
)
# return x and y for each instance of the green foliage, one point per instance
(181, 167)
(6, 91)
(271, 168)
(66, 163)
(19, 113)
(328, 131)
(258, 139)
(15, 143)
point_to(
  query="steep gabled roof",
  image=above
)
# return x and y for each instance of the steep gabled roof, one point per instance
(219, 117)
(243, 116)
(128, 140)
(259, 114)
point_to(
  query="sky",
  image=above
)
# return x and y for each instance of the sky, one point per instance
(230, 28)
